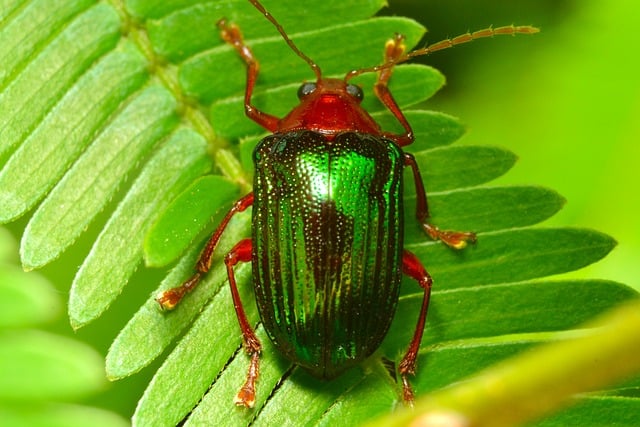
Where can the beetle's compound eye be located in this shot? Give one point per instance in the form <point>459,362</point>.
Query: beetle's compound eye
<point>306,89</point>
<point>355,91</point>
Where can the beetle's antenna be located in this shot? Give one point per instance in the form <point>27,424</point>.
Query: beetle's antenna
<point>283,33</point>
<point>510,30</point>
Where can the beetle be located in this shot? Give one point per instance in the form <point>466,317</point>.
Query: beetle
<point>327,221</point>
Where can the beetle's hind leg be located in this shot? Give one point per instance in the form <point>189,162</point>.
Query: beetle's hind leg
<point>412,267</point>
<point>454,239</point>
<point>241,252</point>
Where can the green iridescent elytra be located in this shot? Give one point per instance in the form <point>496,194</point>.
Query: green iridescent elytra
<point>327,245</point>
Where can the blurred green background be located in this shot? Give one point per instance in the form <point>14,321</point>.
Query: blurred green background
<point>562,100</point>
<point>566,101</point>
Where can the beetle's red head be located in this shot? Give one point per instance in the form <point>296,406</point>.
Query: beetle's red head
<point>329,106</point>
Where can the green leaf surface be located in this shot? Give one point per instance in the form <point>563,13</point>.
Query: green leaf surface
<point>118,250</point>
<point>160,8</point>
<point>25,101</point>
<point>186,217</point>
<point>25,34</point>
<point>8,7</point>
<point>62,135</point>
<point>484,209</point>
<point>166,28</point>
<point>514,255</point>
<point>448,168</point>
<point>93,180</point>
<point>431,128</point>
<point>235,373</point>
<point>308,407</point>
<point>468,313</point>
<point>373,389</point>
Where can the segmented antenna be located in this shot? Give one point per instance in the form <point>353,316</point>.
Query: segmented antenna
<point>509,30</point>
<point>313,65</point>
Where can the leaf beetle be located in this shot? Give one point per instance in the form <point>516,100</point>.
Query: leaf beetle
<point>327,221</point>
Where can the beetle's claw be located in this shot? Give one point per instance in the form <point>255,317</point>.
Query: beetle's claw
<point>454,239</point>
<point>246,398</point>
<point>170,298</point>
<point>230,33</point>
<point>394,48</point>
<point>247,395</point>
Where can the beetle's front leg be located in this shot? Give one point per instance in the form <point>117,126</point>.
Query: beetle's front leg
<point>171,297</point>
<point>231,34</point>
<point>392,51</point>
<point>241,252</point>
<point>454,239</point>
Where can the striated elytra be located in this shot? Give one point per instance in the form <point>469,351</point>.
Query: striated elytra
<point>327,221</point>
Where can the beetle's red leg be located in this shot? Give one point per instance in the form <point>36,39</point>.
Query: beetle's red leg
<point>241,252</point>
<point>455,239</point>
<point>412,267</point>
<point>232,35</point>
<point>170,298</point>
<point>393,50</point>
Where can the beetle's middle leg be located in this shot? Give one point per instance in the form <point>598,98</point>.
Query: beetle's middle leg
<point>171,297</point>
<point>394,49</point>
<point>241,252</point>
<point>455,239</point>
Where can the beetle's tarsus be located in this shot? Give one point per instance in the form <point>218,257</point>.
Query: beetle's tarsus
<point>453,239</point>
<point>247,395</point>
<point>407,392</point>
<point>229,32</point>
<point>170,298</point>
<point>394,48</point>
<point>407,367</point>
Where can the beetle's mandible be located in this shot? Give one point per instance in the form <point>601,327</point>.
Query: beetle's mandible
<point>327,221</point>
